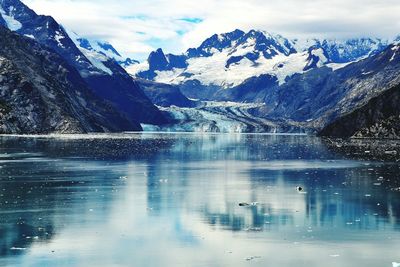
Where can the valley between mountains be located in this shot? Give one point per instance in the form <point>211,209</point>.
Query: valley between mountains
<point>54,81</point>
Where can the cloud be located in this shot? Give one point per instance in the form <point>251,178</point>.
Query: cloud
<point>137,27</point>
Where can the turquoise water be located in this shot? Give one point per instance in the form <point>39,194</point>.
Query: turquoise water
<point>173,200</point>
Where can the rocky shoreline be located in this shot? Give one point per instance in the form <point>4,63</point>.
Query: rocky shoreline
<point>366,148</point>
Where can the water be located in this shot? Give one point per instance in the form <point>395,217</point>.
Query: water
<point>173,200</point>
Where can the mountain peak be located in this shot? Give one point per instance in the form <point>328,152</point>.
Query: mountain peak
<point>228,59</point>
<point>157,60</point>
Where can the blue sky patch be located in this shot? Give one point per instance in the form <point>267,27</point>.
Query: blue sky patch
<point>192,20</point>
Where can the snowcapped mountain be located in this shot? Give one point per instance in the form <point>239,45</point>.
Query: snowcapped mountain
<point>344,51</point>
<point>228,60</point>
<point>95,61</point>
<point>103,50</point>
<point>322,95</point>
<point>306,102</point>
<point>42,93</point>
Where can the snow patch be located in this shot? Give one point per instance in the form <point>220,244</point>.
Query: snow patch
<point>29,36</point>
<point>136,68</point>
<point>96,59</point>
<point>396,49</point>
<point>337,66</point>
<point>320,54</point>
<point>12,23</point>
<point>58,37</point>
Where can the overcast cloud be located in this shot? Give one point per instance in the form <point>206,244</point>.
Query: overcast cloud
<point>136,27</point>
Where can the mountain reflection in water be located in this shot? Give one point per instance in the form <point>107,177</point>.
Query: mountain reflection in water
<point>173,200</point>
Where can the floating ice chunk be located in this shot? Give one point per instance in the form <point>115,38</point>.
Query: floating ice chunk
<point>17,248</point>
<point>252,258</point>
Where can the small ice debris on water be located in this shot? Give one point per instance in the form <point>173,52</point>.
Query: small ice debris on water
<point>334,255</point>
<point>252,258</point>
<point>395,264</point>
<point>123,177</point>
<point>16,248</point>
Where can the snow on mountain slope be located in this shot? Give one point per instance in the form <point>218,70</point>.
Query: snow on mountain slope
<point>227,60</point>
<point>96,57</point>
<point>104,76</point>
<point>343,51</point>
<point>212,70</point>
<point>8,17</point>
<point>99,52</point>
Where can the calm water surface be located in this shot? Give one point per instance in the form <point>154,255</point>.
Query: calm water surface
<point>173,200</point>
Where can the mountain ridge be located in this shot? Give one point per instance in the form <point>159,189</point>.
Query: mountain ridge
<point>41,93</point>
<point>106,78</point>
<point>236,56</point>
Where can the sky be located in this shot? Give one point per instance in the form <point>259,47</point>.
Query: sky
<point>137,27</point>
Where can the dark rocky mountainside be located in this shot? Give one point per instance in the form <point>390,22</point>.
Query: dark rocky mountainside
<point>322,95</point>
<point>105,77</point>
<point>165,95</point>
<point>41,93</point>
<point>379,118</point>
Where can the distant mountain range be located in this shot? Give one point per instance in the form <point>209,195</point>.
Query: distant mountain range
<point>253,81</point>
<point>307,83</point>
<point>228,60</point>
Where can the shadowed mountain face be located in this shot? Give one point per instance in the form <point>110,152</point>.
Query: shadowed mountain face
<point>41,93</point>
<point>379,118</point>
<point>165,95</point>
<point>104,75</point>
